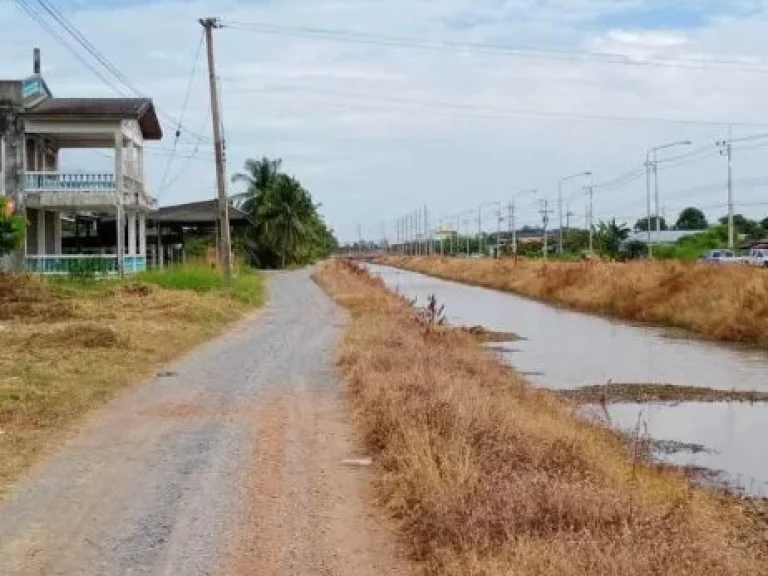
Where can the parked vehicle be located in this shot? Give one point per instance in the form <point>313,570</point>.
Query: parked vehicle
<point>758,257</point>
<point>721,256</point>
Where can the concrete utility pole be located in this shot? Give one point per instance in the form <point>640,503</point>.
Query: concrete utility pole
<point>225,256</point>
<point>560,202</point>
<point>545,212</point>
<point>480,230</point>
<point>591,220</point>
<point>511,226</point>
<point>499,219</point>
<point>726,149</point>
<point>427,238</point>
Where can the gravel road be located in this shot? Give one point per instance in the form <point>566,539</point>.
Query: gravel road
<point>229,463</point>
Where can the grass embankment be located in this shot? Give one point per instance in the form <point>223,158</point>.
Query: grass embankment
<point>720,303</point>
<point>487,476</point>
<point>67,347</point>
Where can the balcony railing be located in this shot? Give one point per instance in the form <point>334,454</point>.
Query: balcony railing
<point>69,182</point>
<point>84,264</point>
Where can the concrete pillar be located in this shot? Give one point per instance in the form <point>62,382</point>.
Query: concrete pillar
<point>132,234</point>
<point>57,233</point>
<point>41,232</point>
<point>120,228</point>
<point>142,234</point>
<point>141,164</point>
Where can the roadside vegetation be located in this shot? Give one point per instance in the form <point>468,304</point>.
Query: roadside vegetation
<point>485,475</point>
<point>68,346</point>
<point>728,304</point>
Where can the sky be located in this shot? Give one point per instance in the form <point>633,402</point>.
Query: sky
<point>382,107</point>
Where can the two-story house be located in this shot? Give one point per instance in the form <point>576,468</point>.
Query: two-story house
<point>34,127</point>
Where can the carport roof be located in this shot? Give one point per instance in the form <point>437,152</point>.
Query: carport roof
<point>196,212</point>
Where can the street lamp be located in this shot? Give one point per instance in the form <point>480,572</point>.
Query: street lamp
<point>560,201</point>
<point>648,163</point>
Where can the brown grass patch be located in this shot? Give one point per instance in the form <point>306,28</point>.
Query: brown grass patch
<point>721,303</point>
<point>97,339</point>
<point>487,476</point>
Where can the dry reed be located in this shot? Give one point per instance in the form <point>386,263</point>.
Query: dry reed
<point>487,476</point>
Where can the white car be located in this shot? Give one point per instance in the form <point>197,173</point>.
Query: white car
<point>758,257</point>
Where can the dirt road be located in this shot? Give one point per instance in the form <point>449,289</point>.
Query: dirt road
<point>230,463</point>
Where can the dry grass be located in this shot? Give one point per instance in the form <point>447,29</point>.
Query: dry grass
<point>729,304</point>
<point>67,348</point>
<point>487,476</point>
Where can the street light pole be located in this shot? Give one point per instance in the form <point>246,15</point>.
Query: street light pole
<point>655,165</point>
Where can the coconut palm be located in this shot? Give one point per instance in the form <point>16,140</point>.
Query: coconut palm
<point>610,235</point>
<point>258,176</point>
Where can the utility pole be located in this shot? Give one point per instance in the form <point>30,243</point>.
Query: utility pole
<point>427,238</point>
<point>655,165</point>
<point>726,149</point>
<point>560,202</point>
<point>480,230</point>
<point>545,212</point>
<point>591,220</point>
<point>225,244</point>
<point>498,230</point>
<point>511,226</point>
<point>648,203</point>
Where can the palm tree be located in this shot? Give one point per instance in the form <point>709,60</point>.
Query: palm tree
<point>284,214</point>
<point>610,235</point>
<point>258,176</point>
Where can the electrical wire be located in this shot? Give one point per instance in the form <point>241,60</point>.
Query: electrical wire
<point>496,112</point>
<point>187,95</point>
<point>539,53</point>
<point>83,42</point>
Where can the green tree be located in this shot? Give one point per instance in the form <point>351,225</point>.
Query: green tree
<point>642,224</point>
<point>285,226</point>
<point>692,219</point>
<point>11,228</point>
<point>743,225</point>
<point>609,237</point>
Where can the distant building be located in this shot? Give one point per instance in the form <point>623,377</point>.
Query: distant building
<point>663,237</point>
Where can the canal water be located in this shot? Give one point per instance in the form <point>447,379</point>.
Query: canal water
<point>562,349</point>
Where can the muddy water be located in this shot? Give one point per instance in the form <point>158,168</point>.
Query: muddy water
<point>564,349</point>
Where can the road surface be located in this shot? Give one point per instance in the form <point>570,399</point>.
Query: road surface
<point>229,463</point>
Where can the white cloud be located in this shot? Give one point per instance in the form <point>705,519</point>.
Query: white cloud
<point>371,129</point>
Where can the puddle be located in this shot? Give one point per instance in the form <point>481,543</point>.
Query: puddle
<point>561,349</point>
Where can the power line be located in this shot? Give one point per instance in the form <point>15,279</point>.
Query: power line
<point>181,118</point>
<point>40,20</point>
<point>538,53</point>
<point>494,111</point>
<point>83,42</point>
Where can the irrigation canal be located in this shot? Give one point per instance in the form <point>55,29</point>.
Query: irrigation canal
<point>562,349</point>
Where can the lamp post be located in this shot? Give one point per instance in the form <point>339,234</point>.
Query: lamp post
<point>653,152</point>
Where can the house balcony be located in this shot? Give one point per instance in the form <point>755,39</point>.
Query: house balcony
<point>91,191</point>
